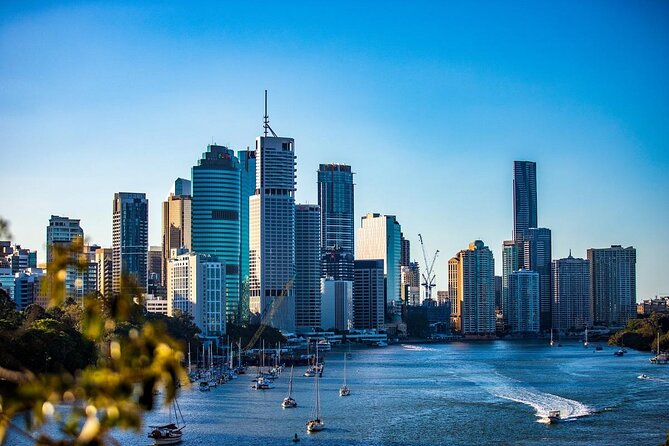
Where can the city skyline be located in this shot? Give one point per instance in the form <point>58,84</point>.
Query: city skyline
<point>595,157</point>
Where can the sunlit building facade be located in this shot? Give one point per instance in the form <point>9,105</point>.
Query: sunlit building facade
<point>612,284</point>
<point>571,294</point>
<point>130,240</point>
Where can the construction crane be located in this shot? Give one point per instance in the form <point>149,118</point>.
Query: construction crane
<point>428,277</point>
<point>269,314</point>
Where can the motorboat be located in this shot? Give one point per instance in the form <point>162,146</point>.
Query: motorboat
<point>619,352</point>
<point>643,376</point>
<point>262,384</point>
<point>204,386</point>
<point>553,416</point>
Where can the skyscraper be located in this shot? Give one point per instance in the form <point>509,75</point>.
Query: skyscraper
<point>176,222</point>
<point>62,231</point>
<point>336,304</point>
<point>272,233</point>
<point>511,261</point>
<point>308,267</point>
<point>571,294</point>
<point>335,197</point>
<point>405,252</point>
<point>612,284</point>
<point>524,197</point>
<point>247,165</point>
<point>105,268</point>
<point>537,257</point>
<point>196,285</point>
<point>215,218</point>
<point>368,294</point>
<point>476,289</point>
<point>379,238</point>
<point>453,298</point>
<point>130,239</point>
<point>524,301</point>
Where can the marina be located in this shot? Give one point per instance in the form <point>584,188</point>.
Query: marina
<point>442,394</point>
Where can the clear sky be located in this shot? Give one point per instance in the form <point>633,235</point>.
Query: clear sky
<point>430,102</point>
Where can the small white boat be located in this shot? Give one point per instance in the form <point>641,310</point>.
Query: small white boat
<point>289,402</point>
<point>262,384</point>
<point>553,416</point>
<point>643,376</point>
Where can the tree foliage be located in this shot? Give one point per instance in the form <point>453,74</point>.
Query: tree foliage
<point>86,367</point>
<point>641,334</point>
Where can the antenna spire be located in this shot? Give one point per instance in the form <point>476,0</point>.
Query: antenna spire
<point>266,120</point>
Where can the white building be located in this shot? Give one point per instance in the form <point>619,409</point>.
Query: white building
<point>379,237</point>
<point>272,234</point>
<point>523,315</point>
<point>196,285</point>
<point>155,304</point>
<point>336,304</point>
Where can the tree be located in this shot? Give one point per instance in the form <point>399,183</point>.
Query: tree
<point>113,392</point>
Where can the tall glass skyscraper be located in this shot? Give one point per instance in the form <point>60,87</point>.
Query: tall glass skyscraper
<point>130,239</point>
<point>537,257</point>
<point>524,197</point>
<point>307,266</point>
<point>247,164</point>
<point>215,219</point>
<point>335,197</point>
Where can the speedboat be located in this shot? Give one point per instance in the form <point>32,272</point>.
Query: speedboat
<point>553,416</point>
<point>618,352</point>
<point>643,376</point>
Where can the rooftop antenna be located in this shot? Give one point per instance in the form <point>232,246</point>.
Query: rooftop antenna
<point>266,120</point>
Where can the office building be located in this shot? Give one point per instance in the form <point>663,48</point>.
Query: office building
<point>524,301</point>
<point>308,267</point>
<point>196,285</point>
<point>524,197</point>
<point>410,284</point>
<point>476,289</point>
<point>336,304</point>
<point>442,298</point>
<point>379,237</point>
<point>571,294</point>
<point>215,218</point>
<point>368,294</point>
<point>272,234</point>
<point>405,250</point>
<point>177,211</point>
<point>60,234</point>
<point>612,285</point>
<point>537,257</point>
<point>336,200</point>
<point>156,304</point>
<point>130,240</point>
<point>247,165</point>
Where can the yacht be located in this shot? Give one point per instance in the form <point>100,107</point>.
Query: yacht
<point>169,433</point>
<point>262,384</point>
<point>289,402</point>
<point>344,389</point>
<point>660,357</point>
<point>585,343</point>
<point>315,424</point>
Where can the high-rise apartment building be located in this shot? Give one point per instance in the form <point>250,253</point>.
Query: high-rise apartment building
<point>62,231</point>
<point>537,257</point>
<point>196,285</point>
<point>379,237</point>
<point>612,284</point>
<point>247,165</point>
<point>307,266</point>
<point>215,217</point>
<point>368,294</point>
<point>571,294</point>
<point>176,222</point>
<point>524,301</point>
<point>336,199</point>
<point>453,298</point>
<point>130,240</point>
<point>524,197</point>
<point>272,233</point>
<point>105,268</point>
<point>476,289</point>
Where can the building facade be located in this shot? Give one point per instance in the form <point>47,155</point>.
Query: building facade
<point>62,232</point>
<point>368,294</point>
<point>336,304</point>
<point>476,290</point>
<point>537,257</point>
<point>272,234</point>
<point>196,285</point>
<point>130,240</point>
<point>612,284</point>
<point>571,294</point>
<point>176,222</point>
<point>247,166</point>
<point>307,266</point>
<point>336,201</point>
<point>524,301</point>
<point>379,237</point>
<point>524,197</point>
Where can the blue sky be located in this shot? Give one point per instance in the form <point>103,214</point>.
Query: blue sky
<point>429,102</point>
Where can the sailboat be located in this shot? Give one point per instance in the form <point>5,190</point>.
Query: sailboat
<point>344,389</point>
<point>585,343</point>
<point>289,402</point>
<point>170,433</point>
<point>660,357</point>
<point>316,424</point>
<point>551,337</point>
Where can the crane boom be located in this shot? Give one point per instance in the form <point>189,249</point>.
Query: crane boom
<point>428,277</point>
<point>274,306</point>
